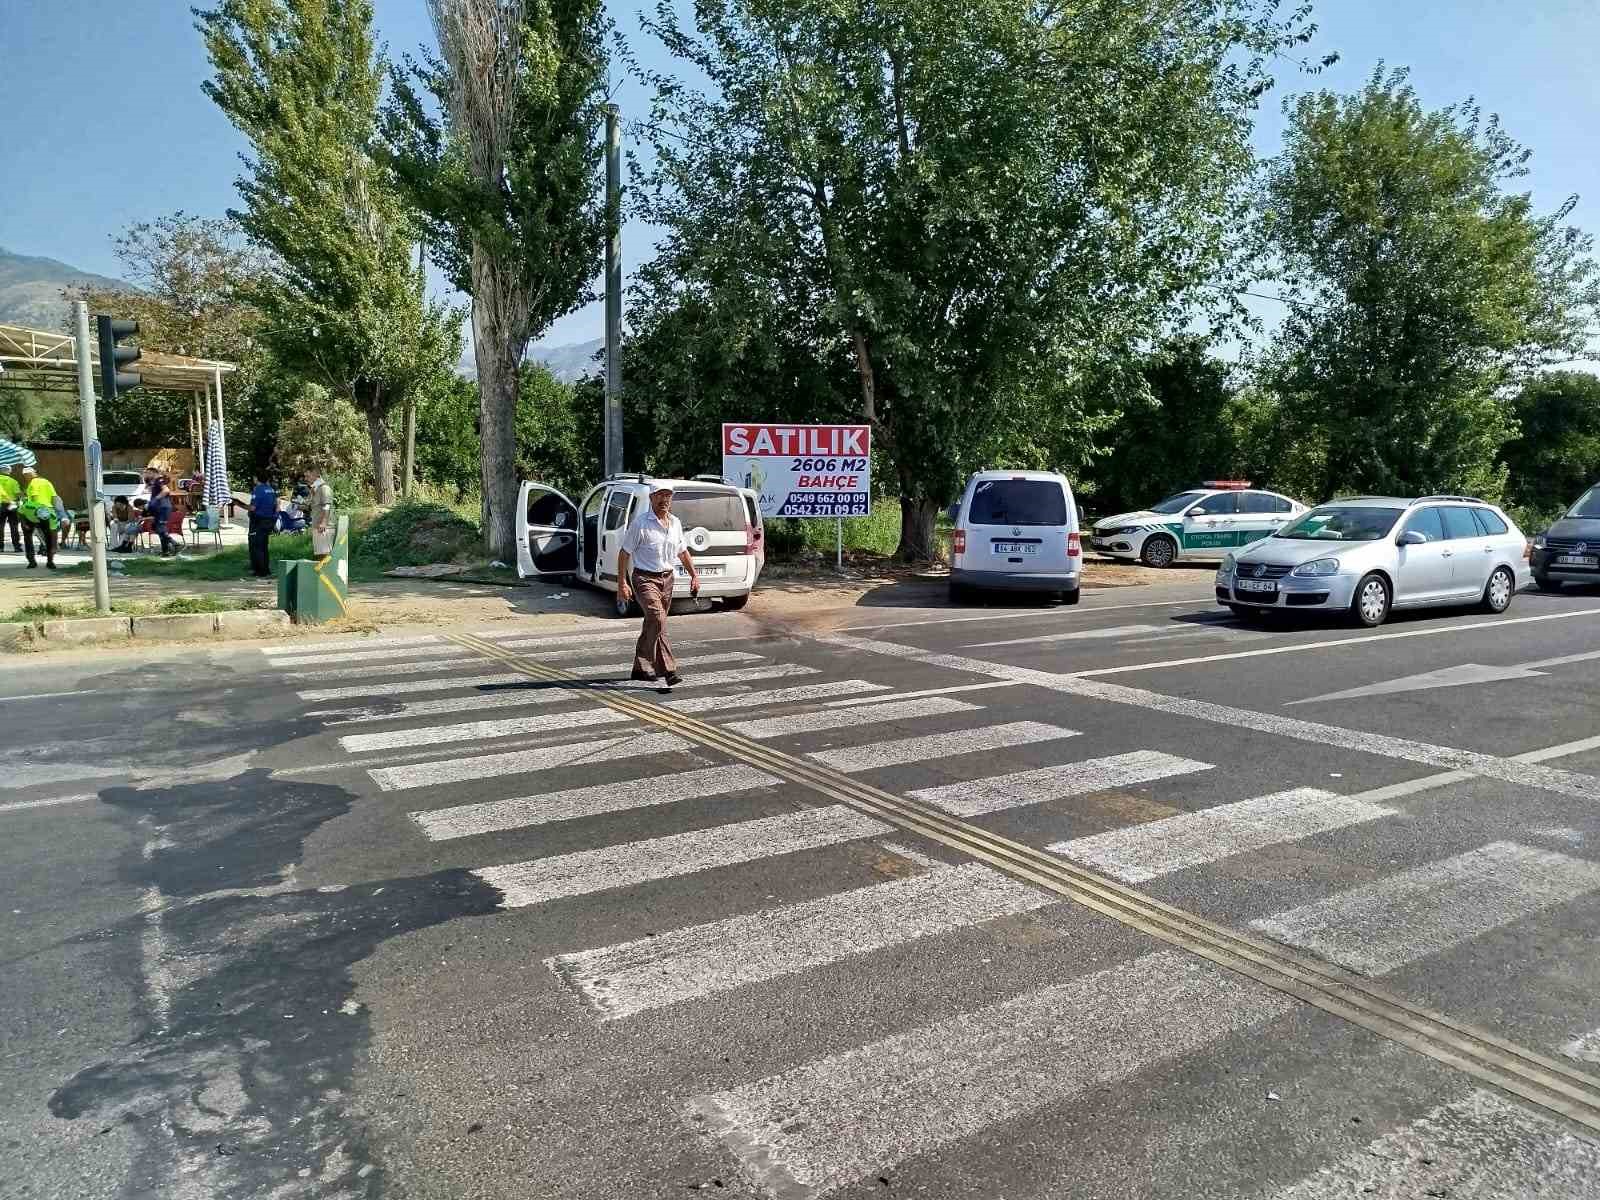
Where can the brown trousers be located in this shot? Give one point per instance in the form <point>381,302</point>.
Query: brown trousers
<point>653,654</point>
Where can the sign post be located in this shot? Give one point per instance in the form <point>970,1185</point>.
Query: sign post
<point>802,470</point>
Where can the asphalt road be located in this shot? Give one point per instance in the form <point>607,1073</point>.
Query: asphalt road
<point>1125,900</point>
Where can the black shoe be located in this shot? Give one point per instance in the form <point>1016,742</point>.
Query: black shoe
<point>642,677</point>
<point>33,566</point>
<point>52,566</point>
<point>673,679</point>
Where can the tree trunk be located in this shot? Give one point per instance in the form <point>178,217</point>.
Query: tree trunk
<point>370,402</point>
<point>916,528</point>
<point>499,338</point>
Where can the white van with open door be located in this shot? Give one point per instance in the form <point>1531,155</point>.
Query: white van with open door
<point>722,524</point>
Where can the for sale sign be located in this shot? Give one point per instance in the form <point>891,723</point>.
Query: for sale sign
<point>802,470</point>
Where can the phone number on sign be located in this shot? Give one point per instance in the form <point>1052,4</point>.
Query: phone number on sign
<point>857,507</point>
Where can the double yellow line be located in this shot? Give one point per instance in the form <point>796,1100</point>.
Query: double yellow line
<point>1541,1080</point>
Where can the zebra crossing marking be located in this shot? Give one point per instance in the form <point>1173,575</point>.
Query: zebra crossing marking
<point>799,693</point>
<point>383,669</point>
<point>586,871</point>
<point>287,652</point>
<point>1444,904</point>
<point>383,654</point>
<point>852,759</point>
<point>972,798</point>
<point>1140,852</point>
<point>846,718</point>
<point>496,816</point>
<point>702,960</point>
<point>474,731</point>
<point>487,766</point>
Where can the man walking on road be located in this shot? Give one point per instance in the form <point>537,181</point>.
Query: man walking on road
<point>653,543</point>
<point>38,511</point>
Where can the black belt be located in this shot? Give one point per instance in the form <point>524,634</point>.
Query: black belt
<point>657,574</point>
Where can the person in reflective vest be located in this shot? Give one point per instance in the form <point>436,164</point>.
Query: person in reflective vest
<point>10,494</point>
<point>37,509</point>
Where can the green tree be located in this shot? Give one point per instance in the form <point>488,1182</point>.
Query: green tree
<point>1556,453</point>
<point>343,304</point>
<point>977,215</point>
<point>1421,287</point>
<point>506,175</point>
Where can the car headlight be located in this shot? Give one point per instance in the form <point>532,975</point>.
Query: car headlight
<point>1317,568</point>
<point>1538,542</point>
<point>1227,564</point>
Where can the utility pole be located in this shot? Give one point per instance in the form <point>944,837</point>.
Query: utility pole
<point>613,422</point>
<point>91,461</point>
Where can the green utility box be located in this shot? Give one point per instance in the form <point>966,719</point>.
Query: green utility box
<point>314,590</point>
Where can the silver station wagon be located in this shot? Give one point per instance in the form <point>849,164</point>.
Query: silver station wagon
<point>1371,554</point>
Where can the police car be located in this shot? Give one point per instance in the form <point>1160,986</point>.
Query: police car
<point>1202,523</point>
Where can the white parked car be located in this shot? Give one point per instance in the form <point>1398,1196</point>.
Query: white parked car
<point>1202,523</point>
<point>722,524</point>
<point>126,485</point>
<point>1016,531</point>
<point>1371,554</point>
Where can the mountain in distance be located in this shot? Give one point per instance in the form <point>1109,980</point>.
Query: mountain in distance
<point>31,287</point>
<point>568,362</point>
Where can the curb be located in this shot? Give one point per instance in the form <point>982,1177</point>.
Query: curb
<point>177,627</point>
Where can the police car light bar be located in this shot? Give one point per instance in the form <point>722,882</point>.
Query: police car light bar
<point>1227,485</point>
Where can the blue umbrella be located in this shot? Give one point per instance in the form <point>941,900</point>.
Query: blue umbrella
<point>12,454</point>
<point>216,467</point>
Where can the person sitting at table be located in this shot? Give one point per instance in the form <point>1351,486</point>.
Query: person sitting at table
<point>124,525</point>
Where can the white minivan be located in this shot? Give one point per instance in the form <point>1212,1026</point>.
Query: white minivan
<point>722,524</point>
<point>1016,531</point>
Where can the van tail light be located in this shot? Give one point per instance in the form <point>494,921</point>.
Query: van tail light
<point>1074,545</point>
<point>958,541</point>
<point>749,540</point>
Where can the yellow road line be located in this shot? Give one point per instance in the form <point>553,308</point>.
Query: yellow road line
<point>1539,1079</point>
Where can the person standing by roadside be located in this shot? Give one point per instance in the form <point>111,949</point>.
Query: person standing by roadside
<point>652,545</point>
<point>10,496</point>
<point>159,510</point>
<point>319,515</point>
<point>37,508</point>
<point>263,518</point>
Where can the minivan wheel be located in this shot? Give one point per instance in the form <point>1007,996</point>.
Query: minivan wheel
<point>1071,595</point>
<point>1158,551</point>
<point>1498,591</point>
<point>960,593</point>
<point>1371,604</point>
<point>1545,584</point>
<point>735,603</point>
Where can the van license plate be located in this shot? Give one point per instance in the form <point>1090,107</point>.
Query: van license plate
<point>708,571</point>
<point>1255,585</point>
<point>1578,560</point>
<point>1023,548</point>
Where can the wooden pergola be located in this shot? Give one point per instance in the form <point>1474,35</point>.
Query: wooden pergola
<point>42,361</point>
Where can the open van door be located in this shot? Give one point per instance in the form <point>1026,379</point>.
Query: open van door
<point>547,532</point>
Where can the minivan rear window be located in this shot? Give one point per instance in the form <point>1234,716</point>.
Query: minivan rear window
<point>1018,502</point>
<point>720,511</point>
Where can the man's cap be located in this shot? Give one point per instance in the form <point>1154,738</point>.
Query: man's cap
<point>660,485</point>
<point>29,471</point>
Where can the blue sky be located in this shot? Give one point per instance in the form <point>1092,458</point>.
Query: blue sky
<point>65,190</point>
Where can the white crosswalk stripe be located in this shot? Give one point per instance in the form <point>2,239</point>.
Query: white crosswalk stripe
<point>299,649</point>
<point>1478,1146</point>
<point>487,766</point>
<point>495,816</point>
<point>818,1126</point>
<point>846,718</point>
<point>521,640</point>
<point>940,745</point>
<point>378,655</point>
<point>587,871</point>
<point>469,731</point>
<point>799,694</point>
<point>386,687</point>
<point>1140,852</point>
<point>1378,927</point>
<point>702,960</point>
<point>608,661</point>
<point>1000,792</point>
<point>382,669</point>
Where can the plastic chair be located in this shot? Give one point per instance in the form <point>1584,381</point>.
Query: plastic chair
<point>174,528</point>
<point>206,522</point>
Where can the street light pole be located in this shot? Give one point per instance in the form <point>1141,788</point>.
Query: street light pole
<point>91,462</point>
<point>613,413</point>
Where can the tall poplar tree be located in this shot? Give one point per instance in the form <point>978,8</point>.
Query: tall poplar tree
<point>343,302</point>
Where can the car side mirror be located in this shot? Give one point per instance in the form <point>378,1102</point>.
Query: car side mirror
<point>1196,511</point>
<point>1412,537</point>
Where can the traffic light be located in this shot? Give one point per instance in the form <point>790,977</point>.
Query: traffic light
<point>113,379</point>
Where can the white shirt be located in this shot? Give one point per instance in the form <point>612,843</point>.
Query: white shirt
<point>652,546</point>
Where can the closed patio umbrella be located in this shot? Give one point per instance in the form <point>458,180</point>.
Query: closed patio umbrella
<point>217,492</point>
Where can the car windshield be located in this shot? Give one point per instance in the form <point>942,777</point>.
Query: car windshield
<point>1587,507</point>
<point>1018,502</point>
<point>1338,523</point>
<point>721,511</point>
<point>1176,503</point>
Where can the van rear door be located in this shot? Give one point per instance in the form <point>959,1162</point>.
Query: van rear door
<point>1018,526</point>
<point>715,524</point>
<point>547,532</point>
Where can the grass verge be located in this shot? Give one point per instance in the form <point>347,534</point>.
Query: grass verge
<point>173,606</point>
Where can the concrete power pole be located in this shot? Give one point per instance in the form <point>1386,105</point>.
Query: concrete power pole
<point>613,421</point>
<point>91,461</point>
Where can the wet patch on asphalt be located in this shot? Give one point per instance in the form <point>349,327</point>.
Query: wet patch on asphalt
<point>240,1083</point>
